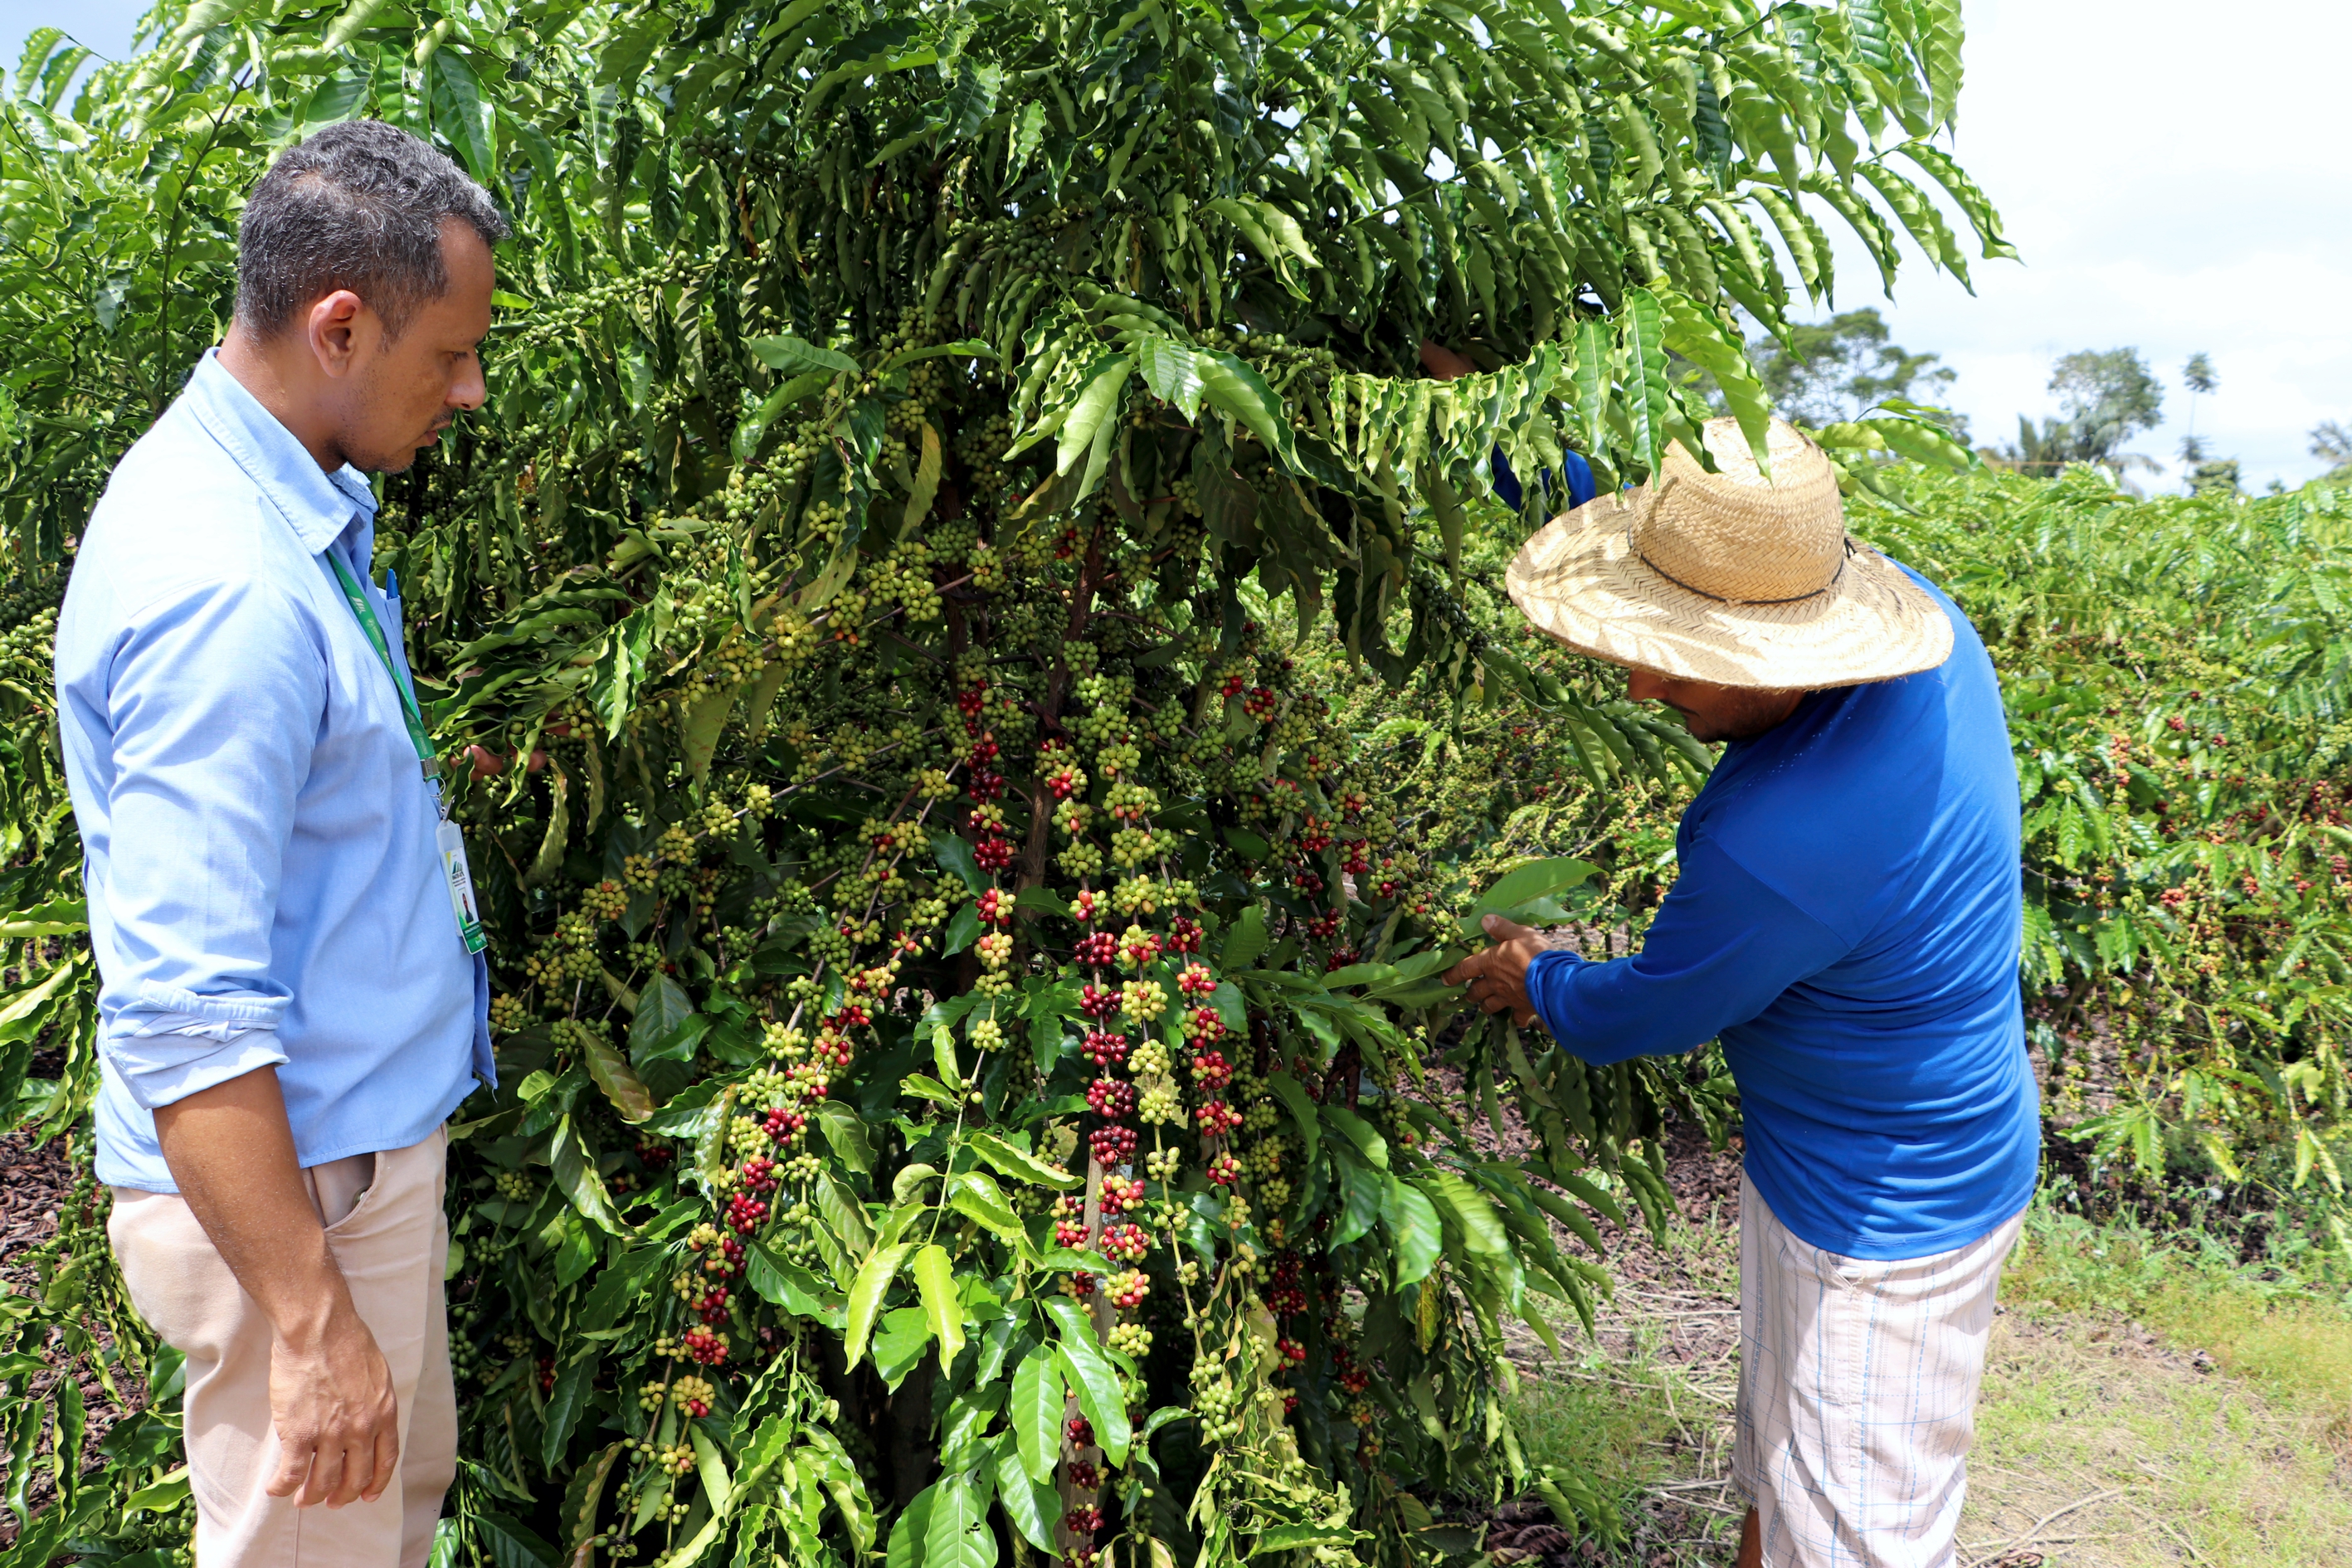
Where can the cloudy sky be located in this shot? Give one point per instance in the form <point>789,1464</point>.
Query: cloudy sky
<point>2175,181</point>
<point>2171,172</point>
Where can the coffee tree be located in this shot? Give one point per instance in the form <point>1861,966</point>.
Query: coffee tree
<point>967,992</point>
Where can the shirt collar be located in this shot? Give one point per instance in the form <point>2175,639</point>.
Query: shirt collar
<point>318,505</point>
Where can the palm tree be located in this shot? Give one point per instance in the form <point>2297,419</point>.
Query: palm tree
<point>2197,373</point>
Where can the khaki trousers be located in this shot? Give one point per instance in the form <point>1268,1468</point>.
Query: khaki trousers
<point>384,1224</point>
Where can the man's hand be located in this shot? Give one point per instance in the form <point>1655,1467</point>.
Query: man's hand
<point>231,1151</point>
<point>1498,977</point>
<point>1441,363</point>
<point>338,1422</point>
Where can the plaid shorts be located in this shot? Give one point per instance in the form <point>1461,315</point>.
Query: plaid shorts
<point>1857,1394</point>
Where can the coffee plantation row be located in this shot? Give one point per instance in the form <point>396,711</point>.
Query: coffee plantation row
<point>971,663</point>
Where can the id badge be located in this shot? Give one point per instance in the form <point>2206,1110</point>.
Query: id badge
<point>460,880</point>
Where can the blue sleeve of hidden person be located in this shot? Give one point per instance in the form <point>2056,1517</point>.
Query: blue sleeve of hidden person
<point>1573,467</point>
<point>1723,949</point>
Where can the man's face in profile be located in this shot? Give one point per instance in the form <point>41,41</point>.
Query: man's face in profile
<point>406,390</point>
<point>1712,712</point>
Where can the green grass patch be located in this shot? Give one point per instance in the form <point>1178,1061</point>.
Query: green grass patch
<point>2261,1323</point>
<point>2102,1440</point>
<point>1606,1419</point>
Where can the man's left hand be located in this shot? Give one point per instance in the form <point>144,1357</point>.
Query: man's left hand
<point>1498,977</point>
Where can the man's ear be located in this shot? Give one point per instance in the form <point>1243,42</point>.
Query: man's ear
<point>340,329</point>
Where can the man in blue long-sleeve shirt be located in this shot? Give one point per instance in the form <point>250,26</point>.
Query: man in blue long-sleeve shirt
<point>293,998</point>
<point>1845,920</point>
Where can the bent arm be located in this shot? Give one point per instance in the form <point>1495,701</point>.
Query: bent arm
<point>1722,947</point>
<point>213,699</point>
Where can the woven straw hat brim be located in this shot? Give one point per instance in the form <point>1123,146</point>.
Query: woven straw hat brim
<point>1581,580</point>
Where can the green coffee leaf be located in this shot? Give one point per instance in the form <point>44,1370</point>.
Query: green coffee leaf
<point>574,1168</point>
<point>792,1288</point>
<point>1649,401</point>
<point>665,1026</point>
<point>1416,1237</point>
<point>1303,1110</point>
<point>1092,1373</point>
<point>1035,1507</point>
<point>846,1134</point>
<point>1524,885</point>
<point>935,1277</point>
<point>565,1404</point>
<point>1245,942</point>
<point>974,1194</point>
<point>1016,1163</point>
<point>1361,1133</point>
<point>957,1535</point>
<point>618,1079</point>
<point>789,356</point>
<point>954,854</point>
<point>1038,1400</point>
<point>1470,1209</point>
<point>1092,414</point>
<point>507,1543</point>
<point>874,1277</point>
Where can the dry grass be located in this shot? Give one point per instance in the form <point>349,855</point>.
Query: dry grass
<point>2107,1448</point>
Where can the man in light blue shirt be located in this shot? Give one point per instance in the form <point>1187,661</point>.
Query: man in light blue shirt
<point>289,1007</point>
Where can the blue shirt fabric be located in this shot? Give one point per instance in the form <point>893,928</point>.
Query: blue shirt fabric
<point>1846,919</point>
<point>1573,469</point>
<point>264,884</point>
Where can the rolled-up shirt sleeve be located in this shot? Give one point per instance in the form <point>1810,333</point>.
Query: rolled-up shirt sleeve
<point>213,699</point>
<point>1724,946</point>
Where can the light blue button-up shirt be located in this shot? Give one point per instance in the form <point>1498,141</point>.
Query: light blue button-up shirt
<point>258,844</point>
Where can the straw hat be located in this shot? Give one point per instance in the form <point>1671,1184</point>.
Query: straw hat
<point>1730,577</point>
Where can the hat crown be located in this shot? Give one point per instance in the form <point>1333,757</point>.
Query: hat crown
<point>1737,535</point>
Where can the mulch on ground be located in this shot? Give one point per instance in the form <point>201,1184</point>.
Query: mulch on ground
<point>34,1181</point>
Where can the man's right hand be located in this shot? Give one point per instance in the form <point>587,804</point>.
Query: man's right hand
<point>338,1421</point>
<point>231,1151</point>
<point>1498,977</point>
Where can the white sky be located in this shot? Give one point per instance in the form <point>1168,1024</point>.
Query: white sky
<point>2175,179</point>
<point>2171,173</point>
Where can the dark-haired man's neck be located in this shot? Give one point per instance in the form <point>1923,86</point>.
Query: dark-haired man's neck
<point>283,376</point>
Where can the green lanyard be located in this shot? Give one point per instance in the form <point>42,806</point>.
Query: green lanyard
<point>447,839</point>
<point>357,599</point>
